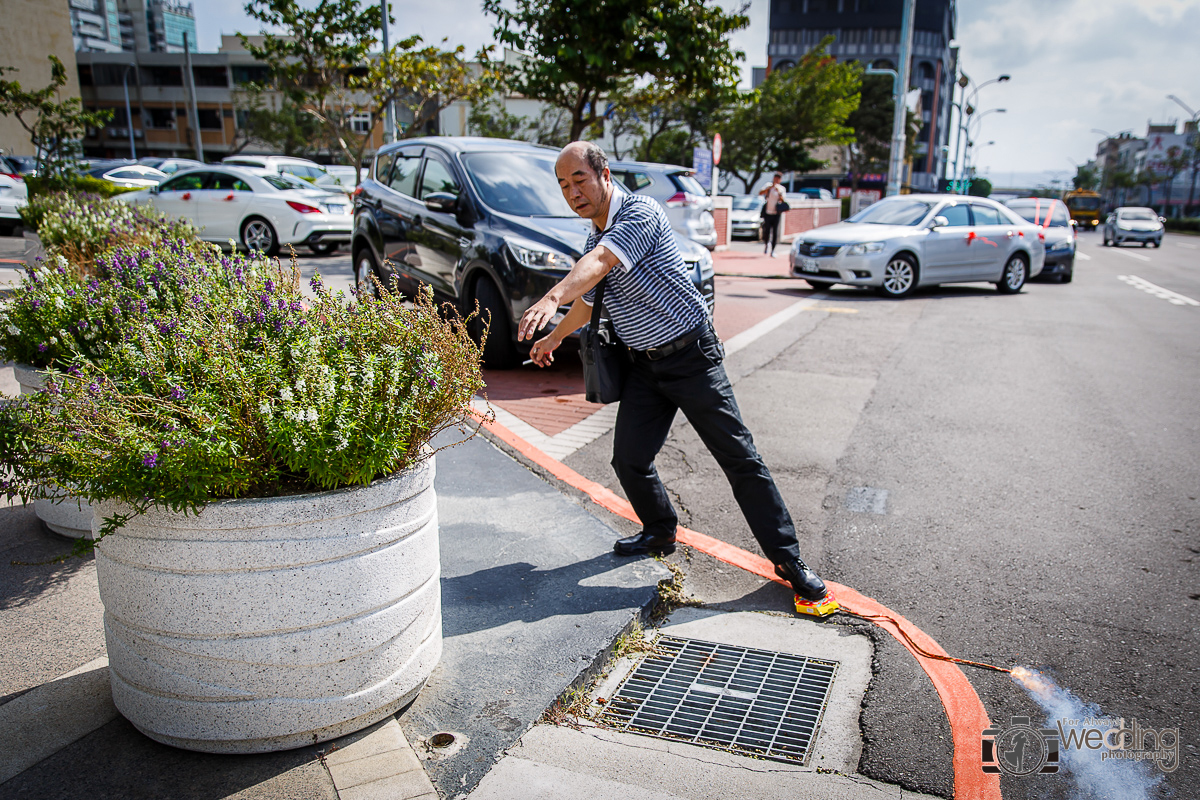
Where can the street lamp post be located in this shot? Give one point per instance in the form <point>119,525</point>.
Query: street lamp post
<point>128,117</point>
<point>899,111</point>
<point>967,108</point>
<point>966,158</point>
<point>389,111</point>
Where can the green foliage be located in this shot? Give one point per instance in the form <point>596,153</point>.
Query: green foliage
<point>491,119</point>
<point>872,125</point>
<point>578,54</point>
<point>54,127</point>
<point>81,227</point>
<point>980,187</point>
<point>287,130</point>
<point>74,182</point>
<point>239,390</point>
<point>1181,224</point>
<point>322,61</point>
<point>776,126</point>
<point>1086,178</point>
<point>67,305</point>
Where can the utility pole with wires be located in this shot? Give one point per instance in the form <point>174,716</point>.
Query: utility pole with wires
<point>389,111</point>
<point>900,112</point>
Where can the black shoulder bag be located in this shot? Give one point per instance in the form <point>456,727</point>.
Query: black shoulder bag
<point>605,358</point>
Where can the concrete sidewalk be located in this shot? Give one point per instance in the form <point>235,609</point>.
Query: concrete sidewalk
<point>532,599</point>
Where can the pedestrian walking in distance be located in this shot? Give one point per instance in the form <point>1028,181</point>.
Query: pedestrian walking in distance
<point>774,193</point>
<point>659,314</point>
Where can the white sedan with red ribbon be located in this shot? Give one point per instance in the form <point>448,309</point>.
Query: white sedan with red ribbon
<point>913,240</point>
<point>261,210</point>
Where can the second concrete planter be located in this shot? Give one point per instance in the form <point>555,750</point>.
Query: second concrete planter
<point>67,516</point>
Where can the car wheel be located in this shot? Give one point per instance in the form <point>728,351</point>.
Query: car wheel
<point>899,277</point>
<point>257,234</point>
<point>822,286</point>
<point>364,269</point>
<point>1067,276</point>
<point>1013,278</point>
<point>1158,244</point>
<point>1146,244</point>
<point>323,249</point>
<point>499,351</point>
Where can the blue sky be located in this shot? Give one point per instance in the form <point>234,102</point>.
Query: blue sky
<point>1075,65</point>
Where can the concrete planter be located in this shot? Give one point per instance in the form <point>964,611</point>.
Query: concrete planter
<point>266,624</point>
<point>70,516</point>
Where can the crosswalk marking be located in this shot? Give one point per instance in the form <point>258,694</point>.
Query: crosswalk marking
<point>1174,298</point>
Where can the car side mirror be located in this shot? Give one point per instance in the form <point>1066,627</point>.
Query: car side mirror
<point>1073,223</point>
<point>154,190</point>
<point>1162,219</point>
<point>940,222</point>
<point>441,201</point>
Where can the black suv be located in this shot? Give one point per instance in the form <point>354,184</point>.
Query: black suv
<point>477,220</point>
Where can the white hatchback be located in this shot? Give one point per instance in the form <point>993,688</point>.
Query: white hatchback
<point>260,209</point>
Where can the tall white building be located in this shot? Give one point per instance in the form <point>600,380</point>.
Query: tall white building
<point>143,26</point>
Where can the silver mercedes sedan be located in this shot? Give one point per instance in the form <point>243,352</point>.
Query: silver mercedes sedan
<point>914,240</point>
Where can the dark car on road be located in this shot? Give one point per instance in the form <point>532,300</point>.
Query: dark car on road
<point>1059,231</point>
<point>477,220</point>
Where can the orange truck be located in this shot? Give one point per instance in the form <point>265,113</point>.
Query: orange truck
<point>1086,209</point>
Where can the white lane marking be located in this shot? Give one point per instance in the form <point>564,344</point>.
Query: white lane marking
<point>591,428</point>
<point>1174,298</point>
<point>1138,256</point>
<point>750,335</point>
<point>1189,246</point>
<point>1084,256</point>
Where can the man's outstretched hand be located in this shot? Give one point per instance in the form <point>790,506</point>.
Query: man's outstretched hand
<point>536,317</point>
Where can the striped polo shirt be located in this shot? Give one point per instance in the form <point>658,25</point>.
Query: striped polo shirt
<point>649,297</point>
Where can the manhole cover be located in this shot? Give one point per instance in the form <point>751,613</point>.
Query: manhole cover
<point>730,698</point>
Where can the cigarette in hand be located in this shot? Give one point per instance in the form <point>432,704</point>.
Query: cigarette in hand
<point>526,362</point>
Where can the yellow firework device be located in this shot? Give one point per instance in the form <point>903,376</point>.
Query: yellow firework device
<point>820,608</point>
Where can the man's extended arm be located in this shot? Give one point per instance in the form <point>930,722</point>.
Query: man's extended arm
<point>586,273</point>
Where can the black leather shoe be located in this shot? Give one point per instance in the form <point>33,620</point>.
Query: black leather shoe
<point>806,582</point>
<point>644,543</point>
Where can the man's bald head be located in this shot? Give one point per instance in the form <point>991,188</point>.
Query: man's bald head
<point>586,152</point>
<point>582,172</point>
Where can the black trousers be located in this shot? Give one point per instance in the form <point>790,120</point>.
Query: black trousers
<point>770,230</point>
<point>694,380</point>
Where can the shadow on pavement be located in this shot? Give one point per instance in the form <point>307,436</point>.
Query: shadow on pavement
<point>24,541</point>
<point>119,761</point>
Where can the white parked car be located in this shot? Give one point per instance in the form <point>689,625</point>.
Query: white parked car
<point>260,209</point>
<point>914,240</point>
<point>302,168</point>
<point>14,194</point>
<point>688,206</point>
<point>170,165</point>
<point>131,176</point>
<point>340,178</point>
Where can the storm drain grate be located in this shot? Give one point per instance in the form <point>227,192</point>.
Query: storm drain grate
<point>730,698</point>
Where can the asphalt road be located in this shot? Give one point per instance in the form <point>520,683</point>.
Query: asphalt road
<point>1040,455</point>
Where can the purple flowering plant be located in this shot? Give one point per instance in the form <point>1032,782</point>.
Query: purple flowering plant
<point>235,397</point>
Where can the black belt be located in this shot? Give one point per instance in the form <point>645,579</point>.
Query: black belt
<point>675,345</point>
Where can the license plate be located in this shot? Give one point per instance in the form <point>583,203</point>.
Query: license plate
<point>335,209</point>
<point>808,264</point>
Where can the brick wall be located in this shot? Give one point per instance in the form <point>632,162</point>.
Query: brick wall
<point>806,214</point>
<point>722,206</point>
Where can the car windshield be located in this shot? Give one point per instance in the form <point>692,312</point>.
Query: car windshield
<point>687,183</point>
<point>893,212</point>
<point>1139,214</point>
<point>1039,213</point>
<point>521,184</point>
<point>1083,203</point>
<point>747,203</point>
<point>285,181</point>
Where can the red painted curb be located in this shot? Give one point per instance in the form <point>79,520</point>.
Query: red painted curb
<point>964,710</point>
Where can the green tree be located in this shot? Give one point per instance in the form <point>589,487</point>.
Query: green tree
<point>776,126</point>
<point>286,129</point>
<point>54,125</point>
<point>579,54</point>
<point>872,126</point>
<point>322,60</point>
<point>490,118</point>
<point>980,187</point>
<point>1086,178</point>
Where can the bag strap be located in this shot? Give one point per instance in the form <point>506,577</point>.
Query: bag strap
<point>597,303</point>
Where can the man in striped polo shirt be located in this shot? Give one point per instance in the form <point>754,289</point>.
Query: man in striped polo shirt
<point>659,314</point>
